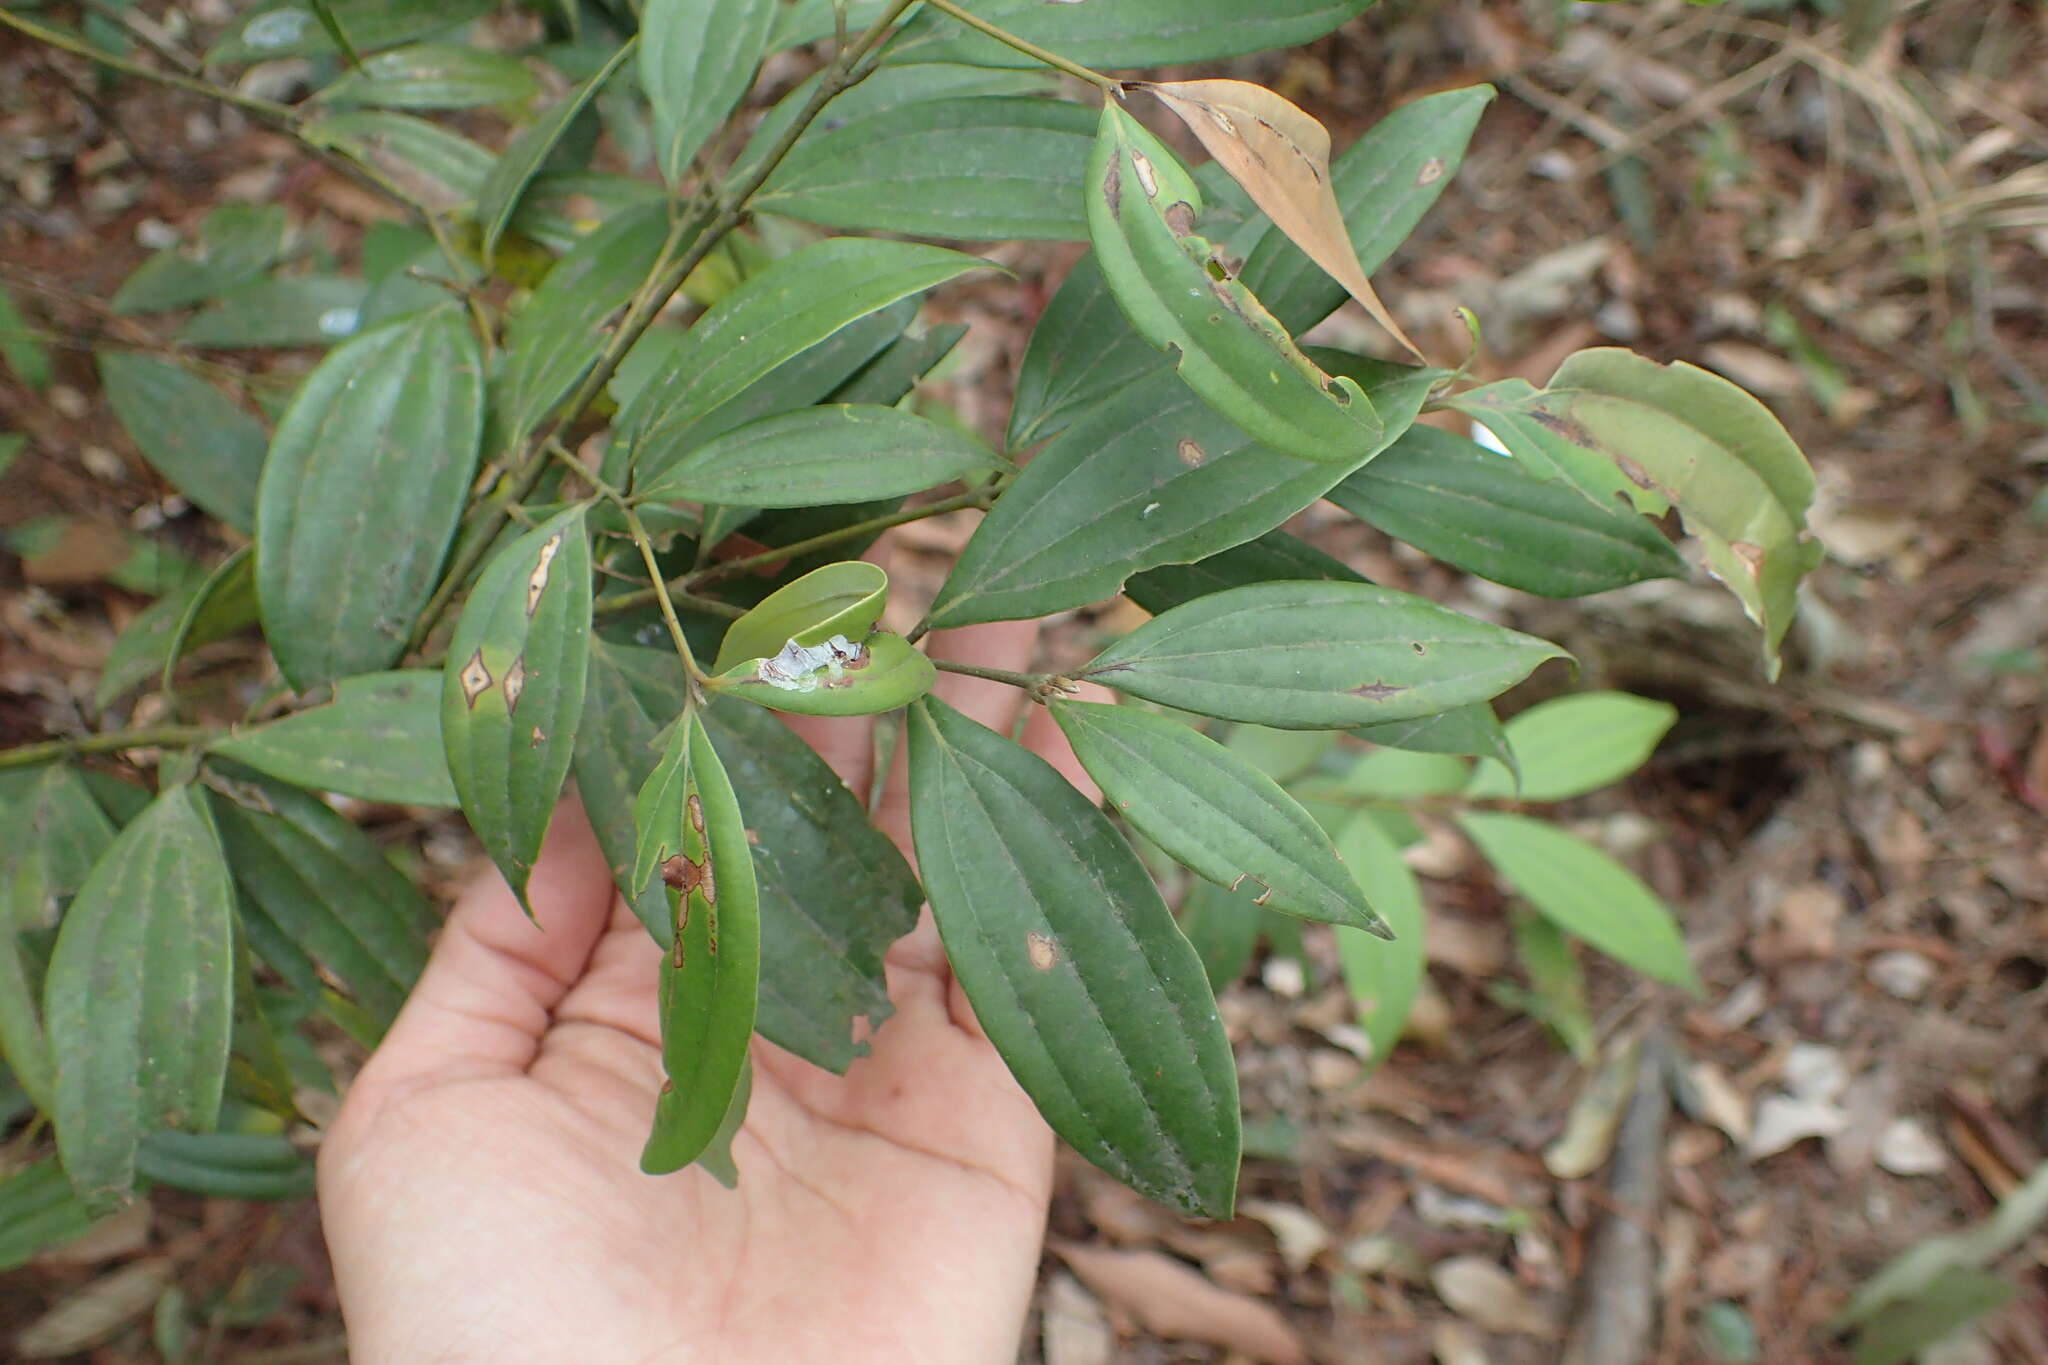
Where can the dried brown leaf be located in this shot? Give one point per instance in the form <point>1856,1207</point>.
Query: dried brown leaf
<point>1169,1300</point>
<point>1477,1289</point>
<point>1281,156</point>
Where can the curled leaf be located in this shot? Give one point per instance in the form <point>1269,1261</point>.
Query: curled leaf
<point>835,677</point>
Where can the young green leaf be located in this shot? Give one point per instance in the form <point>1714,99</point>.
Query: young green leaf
<point>499,192</point>
<point>205,445</point>
<point>840,599</point>
<point>139,997</point>
<point>1213,812</point>
<point>312,880</point>
<point>1317,656</point>
<point>378,739</point>
<point>1383,976</point>
<point>697,58</point>
<point>1273,556</point>
<point>1480,512</point>
<point>433,76</point>
<point>237,242</point>
<point>1576,744</point>
<point>512,689</point>
<point>297,310</point>
<point>364,484</point>
<point>711,973</point>
<point>1177,290</point>
<point>828,454</point>
<point>1586,892</point>
<point>1076,971</point>
<point>836,677</point>
<point>974,169</point>
<point>792,305</point>
<point>1125,34</point>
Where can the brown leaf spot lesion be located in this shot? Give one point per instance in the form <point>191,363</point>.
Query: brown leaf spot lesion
<point>475,679</point>
<point>1147,177</point>
<point>1431,172</point>
<point>1180,219</point>
<point>1378,691</point>
<point>694,808</point>
<point>515,683</point>
<point>1635,473</point>
<point>1113,187</point>
<point>1043,950</point>
<point>687,875</point>
<point>1191,453</point>
<point>537,581</point>
<point>1563,427</point>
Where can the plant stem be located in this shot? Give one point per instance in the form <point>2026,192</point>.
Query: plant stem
<point>668,606</point>
<point>1029,49</point>
<point>111,741</point>
<point>267,110</point>
<point>1030,682</point>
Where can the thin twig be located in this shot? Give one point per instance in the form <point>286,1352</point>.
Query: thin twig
<point>1029,49</point>
<point>268,110</point>
<point>111,741</point>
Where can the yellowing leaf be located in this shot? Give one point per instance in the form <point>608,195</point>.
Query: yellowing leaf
<point>1281,156</point>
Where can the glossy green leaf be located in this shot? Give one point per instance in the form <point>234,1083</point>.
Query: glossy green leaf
<point>20,350</point>
<point>979,169</point>
<point>291,28</point>
<point>1471,729</point>
<point>1317,656</point>
<point>1152,477</point>
<point>316,882</point>
<point>794,304</point>
<point>366,479</point>
<point>1383,976</point>
<point>38,1210</point>
<point>710,975</point>
<point>215,607</point>
<point>378,739</point>
<point>1586,892</point>
<point>553,340</point>
<point>1273,556</point>
<point>1223,927</point>
<point>204,444</point>
<point>227,1165</point>
<point>1177,290</point>
<point>296,310</point>
<point>697,58</point>
<point>840,599</point>
<point>433,76</point>
<point>1214,813</point>
<point>1481,512</point>
<point>1075,969</point>
<point>512,689</point>
<point>1124,33</point>
<point>832,453</point>
<point>836,677</point>
<point>139,994</point>
<point>237,242</point>
<point>445,167</point>
<point>1576,744</point>
<point>497,197</point>
<point>57,832</point>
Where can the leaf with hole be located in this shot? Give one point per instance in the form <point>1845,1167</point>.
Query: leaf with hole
<point>697,58</point>
<point>840,599</point>
<point>1577,744</point>
<point>512,689</point>
<point>832,453</point>
<point>1383,977</point>
<point>379,739</point>
<point>139,996</point>
<point>1080,979</point>
<point>366,479</point>
<point>205,445</point>
<point>1316,656</point>
<point>838,676</point>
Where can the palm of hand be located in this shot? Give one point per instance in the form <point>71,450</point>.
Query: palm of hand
<point>482,1191</point>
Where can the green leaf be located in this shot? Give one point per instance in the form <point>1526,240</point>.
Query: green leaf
<point>433,76</point>
<point>312,880</point>
<point>38,1210</point>
<point>20,351</point>
<point>1075,969</point>
<point>1149,478</point>
<point>1316,656</point>
<point>792,305</point>
<point>1576,744</point>
<point>1223,927</point>
<point>1282,755</point>
<point>379,739</point>
<point>366,479</point>
<point>1273,556</point>
<point>892,374</point>
<point>1910,1276</point>
<point>1402,775</point>
<point>1124,33</point>
<point>1383,976</point>
<point>828,454</point>
<point>292,28</point>
<point>836,677</point>
<point>710,975</point>
<point>1586,892</point>
<point>498,195</point>
<point>1957,1297</point>
<point>840,599</point>
<point>1471,729</point>
<point>205,445</point>
<point>257,1072</point>
<point>139,997</point>
<point>631,696</point>
<point>237,242</point>
<point>1478,511</point>
<point>523,640</point>
<point>1177,290</point>
<point>298,310</point>
<point>212,609</point>
<point>697,58</point>
<point>987,168</point>
<point>227,1165</point>
<point>23,1045</point>
<point>412,148</point>
<point>554,338</point>
<point>1557,986</point>
<point>1212,812</point>
<point>58,833</point>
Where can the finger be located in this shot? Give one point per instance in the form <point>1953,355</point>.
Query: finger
<point>495,976</point>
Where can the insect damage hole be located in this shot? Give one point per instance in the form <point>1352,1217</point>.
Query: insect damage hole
<point>1044,952</point>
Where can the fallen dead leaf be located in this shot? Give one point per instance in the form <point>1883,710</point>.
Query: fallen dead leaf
<point>1074,1330</point>
<point>1783,1121</point>
<point>95,1312</point>
<point>1595,1117</point>
<point>1907,1148</point>
<point>1168,1299</point>
<point>1721,1104</point>
<point>1301,1235</point>
<point>1475,1288</point>
<point>1455,1343</point>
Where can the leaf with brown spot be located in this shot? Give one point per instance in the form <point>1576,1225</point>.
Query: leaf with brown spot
<point>1281,156</point>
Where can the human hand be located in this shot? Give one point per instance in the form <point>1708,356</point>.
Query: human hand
<point>481,1187</point>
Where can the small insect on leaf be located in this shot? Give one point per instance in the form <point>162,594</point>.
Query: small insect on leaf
<point>1281,156</point>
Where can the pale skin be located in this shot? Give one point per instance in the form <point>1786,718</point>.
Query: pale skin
<point>481,1189</point>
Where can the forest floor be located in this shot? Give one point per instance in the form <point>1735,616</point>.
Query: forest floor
<point>1850,217</point>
